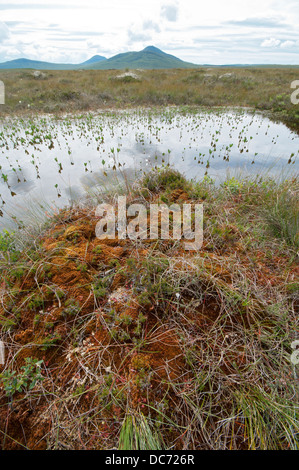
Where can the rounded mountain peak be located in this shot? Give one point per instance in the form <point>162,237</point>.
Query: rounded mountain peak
<point>152,49</point>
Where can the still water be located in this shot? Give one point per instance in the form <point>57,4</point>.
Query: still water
<point>50,162</point>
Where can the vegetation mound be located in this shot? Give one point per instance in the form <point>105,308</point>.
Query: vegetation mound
<point>141,344</point>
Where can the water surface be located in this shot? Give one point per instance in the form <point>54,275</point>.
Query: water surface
<point>50,162</point>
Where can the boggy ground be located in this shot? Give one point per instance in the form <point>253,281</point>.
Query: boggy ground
<point>57,92</point>
<point>141,344</point>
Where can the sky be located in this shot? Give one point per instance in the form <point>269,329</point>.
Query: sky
<point>203,32</point>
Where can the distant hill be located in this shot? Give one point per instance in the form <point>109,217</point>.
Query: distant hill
<point>95,58</point>
<point>40,65</point>
<point>35,64</point>
<point>149,58</point>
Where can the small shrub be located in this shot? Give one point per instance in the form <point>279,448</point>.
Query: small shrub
<point>36,302</point>
<point>26,380</point>
<point>72,307</point>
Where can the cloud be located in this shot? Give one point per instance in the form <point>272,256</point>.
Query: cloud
<point>85,33</point>
<point>170,12</point>
<point>37,6</point>
<point>272,42</point>
<point>145,31</point>
<point>4,32</point>
<point>287,44</point>
<point>258,23</point>
<point>218,33</point>
<point>137,37</point>
<point>13,23</point>
<point>149,24</point>
<point>9,53</point>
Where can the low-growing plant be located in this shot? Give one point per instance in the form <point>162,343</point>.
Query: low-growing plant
<point>8,247</point>
<point>233,185</point>
<point>7,323</point>
<point>165,178</point>
<point>50,341</point>
<point>71,308</point>
<point>97,250</point>
<point>36,302</point>
<point>26,379</point>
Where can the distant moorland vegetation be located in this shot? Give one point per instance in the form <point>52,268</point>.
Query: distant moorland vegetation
<point>71,91</point>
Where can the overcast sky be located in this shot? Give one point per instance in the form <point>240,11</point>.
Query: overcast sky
<point>209,31</point>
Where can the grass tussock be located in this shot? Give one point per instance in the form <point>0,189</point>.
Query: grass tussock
<point>142,345</point>
<point>136,434</point>
<point>282,212</point>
